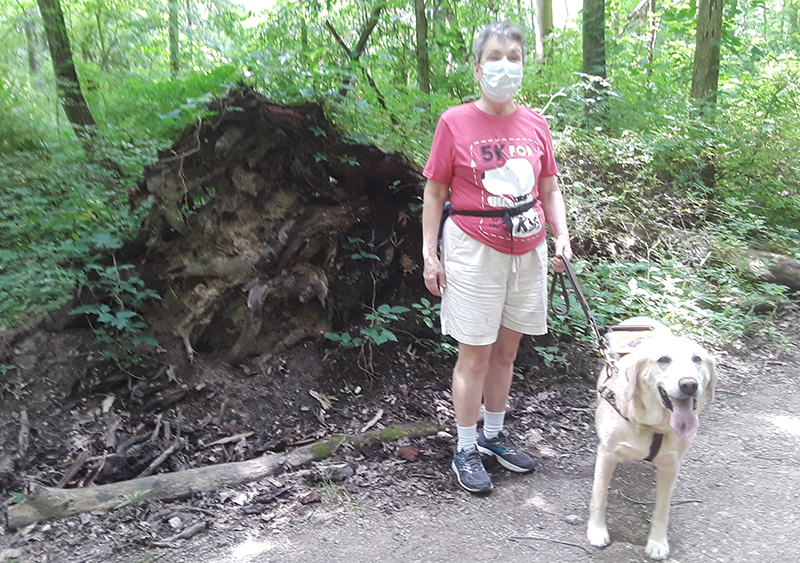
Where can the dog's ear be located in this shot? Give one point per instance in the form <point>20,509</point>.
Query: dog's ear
<point>633,373</point>
<point>710,365</point>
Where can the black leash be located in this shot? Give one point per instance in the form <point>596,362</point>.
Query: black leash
<point>558,278</point>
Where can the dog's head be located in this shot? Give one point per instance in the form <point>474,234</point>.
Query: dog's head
<point>680,373</point>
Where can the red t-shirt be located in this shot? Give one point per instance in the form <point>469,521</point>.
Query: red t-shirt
<point>494,162</point>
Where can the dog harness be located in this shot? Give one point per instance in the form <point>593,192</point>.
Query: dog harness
<point>622,340</point>
<point>618,341</point>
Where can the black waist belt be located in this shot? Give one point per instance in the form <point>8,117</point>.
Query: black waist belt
<point>506,214</point>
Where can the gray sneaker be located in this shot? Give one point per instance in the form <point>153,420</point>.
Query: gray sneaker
<point>470,473</point>
<point>506,452</point>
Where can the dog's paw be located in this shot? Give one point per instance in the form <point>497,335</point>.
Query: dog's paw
<point>598,536</point>
<point>658,550</point>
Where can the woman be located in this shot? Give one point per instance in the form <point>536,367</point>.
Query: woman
<point>493,160</point>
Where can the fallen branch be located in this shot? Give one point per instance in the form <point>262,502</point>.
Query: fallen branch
<point>186,534</point>
<point>95,473</point>
<point>24,432</point>
<point>43,502</point>
<point>229,439</point>
<point>675,502</point>
<point>773,268</point>
<point>730,392</point>
<point>73,470</point>
<point>551,540</point>
<point>374,420</point>
<point>160,459</point>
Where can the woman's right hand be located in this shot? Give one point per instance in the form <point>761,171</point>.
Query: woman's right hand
<point>434,198</point>
<point>433,274</point>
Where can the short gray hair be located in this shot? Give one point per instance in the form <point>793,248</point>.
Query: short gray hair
<point>498,30</point>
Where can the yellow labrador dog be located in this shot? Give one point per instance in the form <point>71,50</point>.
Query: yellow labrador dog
<point>647,409</point>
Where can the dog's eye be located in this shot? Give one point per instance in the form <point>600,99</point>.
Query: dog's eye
<point>665,360</point>
<point>697,359</point>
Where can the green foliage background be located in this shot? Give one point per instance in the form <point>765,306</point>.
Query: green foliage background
<point>649,234</point>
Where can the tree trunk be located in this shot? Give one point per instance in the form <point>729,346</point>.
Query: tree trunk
<point>705,77</point>
<point>369,27</point>
<point>174,46</point>
<point>544,27</point>
<point>355,53</point>
<point>594,55</point>
<point>33,47</point>
<point>654,21</point>
<point>67,83</point>
<point>594,38</point>
<point>423,61</point>
<point>101,37</point>
<point>188,11</point>
<point>793,15</point>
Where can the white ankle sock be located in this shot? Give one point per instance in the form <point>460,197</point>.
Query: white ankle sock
<point>493,423</point>
<point>467,437</point>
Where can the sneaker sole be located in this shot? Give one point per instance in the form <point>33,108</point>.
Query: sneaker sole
<point>466,487</point>
<point>504,462</point>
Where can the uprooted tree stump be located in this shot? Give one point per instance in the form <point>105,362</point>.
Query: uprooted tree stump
<point>267,227</point>
<point>48,502</point>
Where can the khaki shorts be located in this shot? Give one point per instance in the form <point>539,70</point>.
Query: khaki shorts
<point>486,289</point>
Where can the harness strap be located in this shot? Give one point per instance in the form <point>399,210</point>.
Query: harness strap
<point>609,395</point>
<point>655,445</point>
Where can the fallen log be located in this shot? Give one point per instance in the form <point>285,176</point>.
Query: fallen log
<point>43,502</point>
<point>776,268</point>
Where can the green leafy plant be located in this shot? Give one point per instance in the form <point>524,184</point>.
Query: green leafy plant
<point>117,323</point>
<point>345,340</point>
<point>360,250</point>
<point>349,160</point>
<point>550,356</point>
<point>136,499</point>
<point>377,333</point>
<point>16,497</point>
<point>429,313</point>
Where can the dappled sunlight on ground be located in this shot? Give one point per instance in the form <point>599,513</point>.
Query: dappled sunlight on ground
<point>788,424</point>
<point>538,502</point>
<point>251,547</point>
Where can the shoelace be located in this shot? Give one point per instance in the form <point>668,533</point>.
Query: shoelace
<point>505,443</point>
<point>472,461</point>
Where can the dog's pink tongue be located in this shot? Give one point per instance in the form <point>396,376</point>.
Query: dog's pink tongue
<point>683,420</point>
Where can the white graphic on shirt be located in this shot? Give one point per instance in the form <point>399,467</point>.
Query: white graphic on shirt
<point>511,185</point>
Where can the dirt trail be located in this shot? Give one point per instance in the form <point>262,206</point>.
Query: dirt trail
<point>736,498</point>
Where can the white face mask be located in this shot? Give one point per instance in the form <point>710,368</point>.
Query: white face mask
<point>501,80</point>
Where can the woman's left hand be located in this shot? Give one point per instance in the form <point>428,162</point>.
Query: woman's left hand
<point>561,248</point>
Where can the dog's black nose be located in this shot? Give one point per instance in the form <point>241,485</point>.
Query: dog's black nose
<point>688,385</point>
